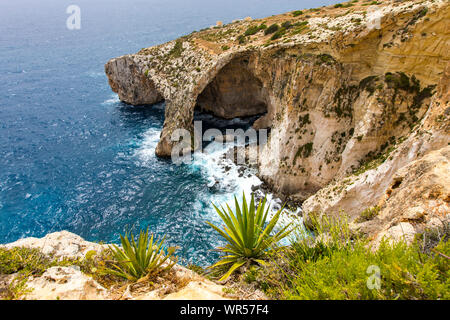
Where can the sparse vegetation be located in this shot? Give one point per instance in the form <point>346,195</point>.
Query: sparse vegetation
<point>177,49</point>
<point>369,214</point>
<point>303,151</point>
<point>281,32</point>
<point>374,160</point>
<point>254,29</point>
<point>325,58</point>
<point>299,27</point>
<point>334,263</point>
<point>271,29</point>
<point>24,260</point>
<point>286,25</point>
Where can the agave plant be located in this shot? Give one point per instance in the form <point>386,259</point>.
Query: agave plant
<point>143,258</point>
<point>247,234</point>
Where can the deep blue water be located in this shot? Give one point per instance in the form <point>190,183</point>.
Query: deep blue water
<point>72,157</point>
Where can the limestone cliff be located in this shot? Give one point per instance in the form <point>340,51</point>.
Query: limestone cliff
<point>350,93</point>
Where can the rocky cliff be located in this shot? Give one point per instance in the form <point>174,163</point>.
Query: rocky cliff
<point>356,97</point>
<point>66,281</point>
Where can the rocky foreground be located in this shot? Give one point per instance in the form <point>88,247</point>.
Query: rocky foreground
<point>68,282</point>
<point>356,96</point>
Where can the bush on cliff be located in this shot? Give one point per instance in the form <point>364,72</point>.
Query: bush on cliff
<point>271,29</point>
<point>27,261</point>
<point>336,264</point>
<point>254,29</point>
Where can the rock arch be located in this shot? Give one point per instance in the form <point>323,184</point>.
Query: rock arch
<point>234,92</point>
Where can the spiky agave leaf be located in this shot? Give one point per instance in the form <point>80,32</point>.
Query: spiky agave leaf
<point>248,236</point>
<point>141,258</point>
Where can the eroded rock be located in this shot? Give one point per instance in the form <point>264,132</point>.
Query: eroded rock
<point>62,244</point>
<point>65,283</point>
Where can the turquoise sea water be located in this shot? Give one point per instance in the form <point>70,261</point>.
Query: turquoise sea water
<point>72,156</point>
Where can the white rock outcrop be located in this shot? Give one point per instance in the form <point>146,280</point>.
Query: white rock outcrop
<point>70,283</point>
<point>61,244</point>
<point>65,283</point>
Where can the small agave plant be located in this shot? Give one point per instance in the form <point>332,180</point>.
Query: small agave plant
<point>144,258</point>
<point>248,234</point>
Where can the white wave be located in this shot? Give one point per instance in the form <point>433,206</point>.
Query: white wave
<point>113,100</point>
<point>94,74</point>
<point>229,180</point>
<point>224,178</point>
<point>146,152</point>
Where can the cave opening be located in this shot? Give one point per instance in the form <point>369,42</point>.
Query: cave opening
<point>234,93</point>
<point>234,99</point>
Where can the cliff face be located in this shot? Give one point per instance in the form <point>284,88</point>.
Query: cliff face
<point>410,188</point>
<point>343,91</point>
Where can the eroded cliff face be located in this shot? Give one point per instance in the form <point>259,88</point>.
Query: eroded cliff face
<point>129,80</point>
<point>409,187</point>
<point>346,93</point>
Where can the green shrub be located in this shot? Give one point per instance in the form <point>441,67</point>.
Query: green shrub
<point>143,258</point>
<point>271,29</point>
<point>254,29</point>
<point>369,214</point>
<point>423,12</point>
<point>177,49</point>
<point>247,234</point>
<point>251,30</point>
<point>241,39</point>
<point>299,27</point>
<point>338,265</point>
<point>297,13</point>
<point>27,261</point>
<point>16,289</point>
<point>303,151</point>
<point>281,32</point>
<point>300,23</point>
<point>343,5</point>
<point>286,25</point>
<point>374,160</point>
<point>371,3</point>
<point>325,58</point>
